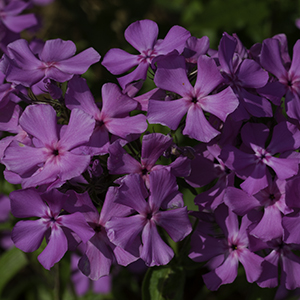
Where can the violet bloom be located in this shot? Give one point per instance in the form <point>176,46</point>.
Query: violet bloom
<point>244,76</point>
<point>56,61</point>
<point>113,117</point>
<point>99,252</point>
<point>82,283</point>
<point>251,165</point>
<point>171,76</point>
<point>58,228</point>
<point>281,254</point>
<point>153,146</point>
<point>207,167</point>
<point>11,18</point>
<point>142,35</point>
<point>224,254</point>
<point>271,199</point>
<point>9,121</point>
<point>54,155</point>
<point>288,75</point>
<point>137,233</point>
<point>193,49</point>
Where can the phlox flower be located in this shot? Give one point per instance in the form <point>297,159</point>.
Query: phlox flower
<point>153,146</point>
<point>280,254</point>
<point>138,233</point>
<point>113,117</point>
<point>58,228</point>
<point>55,61</point>
<point>54,155</point>
<point>224,254</point>
<point>244,76</point>
<point>171,76</point>
<point>251,163</point>
<point>98,252</point>
<point>142,35</point>
<point>269,205</point>
<point>287,74</point>
<point>11,18</point>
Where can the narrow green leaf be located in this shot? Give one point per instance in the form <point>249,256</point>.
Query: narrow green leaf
<point>162,283</point>
<point>11,262</point>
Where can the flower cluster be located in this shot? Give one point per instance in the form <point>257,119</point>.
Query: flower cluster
<point>98,178</point>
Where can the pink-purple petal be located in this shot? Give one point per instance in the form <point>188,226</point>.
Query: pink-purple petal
<point>125,232</point>
<point>224,274</point>
<point>78,131</point>
<point>28,235</point>
<point>208,76</point>
<point>271,59</point>
<point>14,158</point>
<point>175,222</point>
<point>269,227</point>
<point>27,203</point>
<point>55,250</point>
<point>251,263</point>
<point>118,61</point>
<point>251,75</point>
<point>155,252</point>
<point>221,104</point>
<point>153,146</point>
<point>78,95</point>
<point>97,260</point>
<point>239,201</point>
<point>284,167</point>
<point>123,127</point>
<point>171,75</point>
<point>132,193</point>
<point>19,23</point>
<point>163,186</point>
<point>19,51</point>
<point>197,126</point>
<point>40,121</point>
<point>142,35</point>
<point>77,223</point>
<point>56,50</point>
<point>175,39</point>
<point>79,63</point>
<point>168,113</point>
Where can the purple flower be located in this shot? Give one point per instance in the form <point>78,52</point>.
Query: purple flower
<point>153,146</point>
<point>225,254</point>
<point>113,118</point>
<point>138,232</point>
<point>142,35</point>
<point>58,228</point>
<point>244,76</point>
<point>56,61</point>
<point>288,75</point>
<point>171,76</point>
<point>55,154</point>
<point>281,254</point>
<point>9,15</point>
<point>251,165</point>
<point>205,168</point>
<point>271,199</point>
<point>99,252</point>
<point>9,121</point>
<point>82,283</point>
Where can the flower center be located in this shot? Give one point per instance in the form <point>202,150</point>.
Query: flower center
<point>147,56</point>
<point>55,152</point>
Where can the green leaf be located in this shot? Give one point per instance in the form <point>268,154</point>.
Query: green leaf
<point>11,262</point>
<point>163,283</point>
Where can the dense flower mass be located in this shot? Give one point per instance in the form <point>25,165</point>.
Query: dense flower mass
<point>107,179</point>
